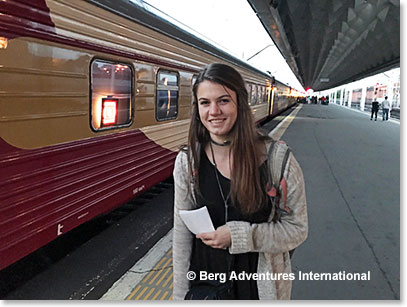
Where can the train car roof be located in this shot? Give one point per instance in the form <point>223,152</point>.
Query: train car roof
<point>137,13</point>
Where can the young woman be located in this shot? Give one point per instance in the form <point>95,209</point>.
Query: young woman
<point>224,167</point>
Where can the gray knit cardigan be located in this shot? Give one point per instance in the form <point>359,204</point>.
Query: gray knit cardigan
<point>271,240</point>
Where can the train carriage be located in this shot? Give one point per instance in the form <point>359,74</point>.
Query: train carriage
<point>94,102</point>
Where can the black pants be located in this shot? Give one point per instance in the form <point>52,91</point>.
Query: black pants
<point>375,113</point>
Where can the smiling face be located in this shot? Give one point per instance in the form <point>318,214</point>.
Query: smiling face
<point>217,106</point>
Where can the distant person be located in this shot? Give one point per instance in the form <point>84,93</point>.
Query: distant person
<point>375,109</point>
<point>386,108</point>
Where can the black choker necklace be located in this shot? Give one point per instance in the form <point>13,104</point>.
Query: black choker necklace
<point>225,143</point>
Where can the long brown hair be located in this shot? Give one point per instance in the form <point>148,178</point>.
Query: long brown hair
<point>245,188</point>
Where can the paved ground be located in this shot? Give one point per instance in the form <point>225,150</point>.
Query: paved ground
<point>351,167</point>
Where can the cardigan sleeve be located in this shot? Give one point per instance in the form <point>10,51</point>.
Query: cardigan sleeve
<point>281,236</point>
<point>182,237</point>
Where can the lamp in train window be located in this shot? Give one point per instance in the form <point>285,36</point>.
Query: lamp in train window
<point>3,42</point>
<point>109,111</point>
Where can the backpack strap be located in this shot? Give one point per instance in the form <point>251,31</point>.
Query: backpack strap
<point>277,153</point>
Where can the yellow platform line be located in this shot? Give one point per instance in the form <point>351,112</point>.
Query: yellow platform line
<point>158,274</point>
<point>134,292</point>
<point>148,294</point>
<point>168,279</point>
<point>153,270</point>
<point>163,276</point>
<point>156,286</point>
<point>164,295</point>
<point>141,293</point>
<point>278,131</point>
<point>157,294</point>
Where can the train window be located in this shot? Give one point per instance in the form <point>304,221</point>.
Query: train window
<point>111,92</point>
<point>265,100</point>
<point>249,90</point>
<point>261,94</point>
<point>253,98</point>
<point>167,96</point>
<point>264,95</point>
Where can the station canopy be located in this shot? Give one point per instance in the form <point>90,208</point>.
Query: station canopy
<point>328,43</point>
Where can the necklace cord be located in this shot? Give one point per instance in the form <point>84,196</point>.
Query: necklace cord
<point>220,187</point>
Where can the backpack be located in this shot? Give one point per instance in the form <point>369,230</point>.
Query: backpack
<point>278,153</point>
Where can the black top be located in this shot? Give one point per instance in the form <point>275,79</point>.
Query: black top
<point>375,105</point>
<point>213,260</point>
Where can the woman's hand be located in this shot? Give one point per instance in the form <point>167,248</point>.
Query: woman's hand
<point>220,238</point>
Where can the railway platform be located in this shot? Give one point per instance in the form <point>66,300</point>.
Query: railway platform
<point>351,167</point>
